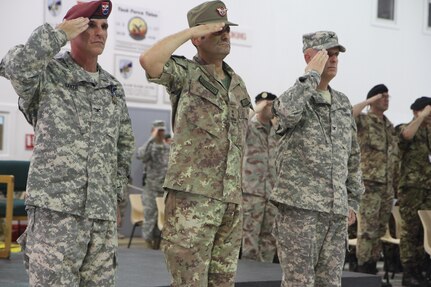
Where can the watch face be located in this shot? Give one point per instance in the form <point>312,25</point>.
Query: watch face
<point>137,28</point>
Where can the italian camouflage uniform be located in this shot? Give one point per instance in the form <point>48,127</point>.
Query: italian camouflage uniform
<point>414,193</point>
<point>203,216</point>
<point>155,157</point>
<point>258,178</point>
<point>379,161</point>
<point>80,162</point>
<point>318,181</point>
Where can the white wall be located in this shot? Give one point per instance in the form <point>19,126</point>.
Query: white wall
<point>399,56</point>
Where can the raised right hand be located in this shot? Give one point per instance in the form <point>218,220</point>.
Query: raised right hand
<point>374,98</point>
<point>260,106</point>
<point>318,62</point>
<point>202,30</point>
<point>425,112</point>
<point>73,27</point>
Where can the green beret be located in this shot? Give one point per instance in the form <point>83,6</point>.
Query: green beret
<point>420,103</point>
<point>265,96</point>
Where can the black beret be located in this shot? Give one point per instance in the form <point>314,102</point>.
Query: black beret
<point>265,96</point>
<point>378,89</point>
<point>91,10</point>
<point>420,103</point>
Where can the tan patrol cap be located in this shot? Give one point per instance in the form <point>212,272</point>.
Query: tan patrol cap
<point>208,12</point>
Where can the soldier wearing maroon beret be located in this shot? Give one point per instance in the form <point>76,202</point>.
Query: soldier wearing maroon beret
<point>82,153</point>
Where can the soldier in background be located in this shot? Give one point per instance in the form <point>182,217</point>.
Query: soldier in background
<point>201,235</point>
<point>258,178</point>
<point>82,151</point>
<point>379,161</point>
<point>319,182</point>
<point>154,155</point>
<point>414,191</point>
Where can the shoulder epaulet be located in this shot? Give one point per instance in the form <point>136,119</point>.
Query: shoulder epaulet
<point>181,60</point>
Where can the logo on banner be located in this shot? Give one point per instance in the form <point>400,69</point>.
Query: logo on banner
<point>137,28</point>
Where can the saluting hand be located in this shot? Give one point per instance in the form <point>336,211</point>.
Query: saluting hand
<point>352,217</point>
<point>318,62</point>
<point>74,27</point>
<point>260,106</point>
<point>374,98</point>
<point>202,30</point>
<point>425,112</point>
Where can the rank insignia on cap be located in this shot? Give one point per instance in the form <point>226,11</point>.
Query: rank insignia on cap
<point>264,95</point>
<point>222,11</point>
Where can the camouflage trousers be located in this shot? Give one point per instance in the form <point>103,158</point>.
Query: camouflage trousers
<point>311,247</point>
<point>374,212</point>
<point>151,191</point>
<point>201,239</point>
<point>411,200</point>
<point>66,250</point>
<point>258,243</point>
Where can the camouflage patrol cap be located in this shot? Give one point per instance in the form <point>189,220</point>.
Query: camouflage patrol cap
<point>208,12</point>
<point>321,40</point>
<point>265,96</point>
<point>160,125</point>
<point>420,103</point>
<point>91,10</point>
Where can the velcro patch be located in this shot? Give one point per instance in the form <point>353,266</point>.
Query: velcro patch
<point>245,103</point>
<point>208,85</point>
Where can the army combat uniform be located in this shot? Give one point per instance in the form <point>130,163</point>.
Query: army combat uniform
<point>203,215</point>
<point>414,194</point>
<point>80,162</point>
<point>318,181</point>
<point>154,156</point>
<point>379,160</point>
<point>258,178</point>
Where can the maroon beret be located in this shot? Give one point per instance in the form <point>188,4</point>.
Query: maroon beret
<point>91,10</point>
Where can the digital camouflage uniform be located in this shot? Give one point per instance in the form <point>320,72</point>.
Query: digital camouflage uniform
<point>258,178</point>
<point>318,180</point>
<point>379,161</point>
<point>80,162</point>
<point>201,236</point>
<point>414,193</point>
<point>155,157</point>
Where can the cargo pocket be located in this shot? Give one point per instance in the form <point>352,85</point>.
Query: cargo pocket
<point>115,260</point>
<point>22,240</point>
<point>179,227</point>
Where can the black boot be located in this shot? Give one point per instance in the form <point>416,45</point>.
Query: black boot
<point>369,267</point>
<point>412,277</point>
<point>386,284</point>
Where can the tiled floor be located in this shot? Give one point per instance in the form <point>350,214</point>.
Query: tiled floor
<point>396,281</point>
<point>138,243</point>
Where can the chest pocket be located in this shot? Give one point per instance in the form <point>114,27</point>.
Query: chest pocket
<point>377,137</point>
<point>204,108</point>
<point>342,127</point>
<point>239,108</point>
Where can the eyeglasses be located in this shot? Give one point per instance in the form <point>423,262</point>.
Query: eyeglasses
<point>226,29</point>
